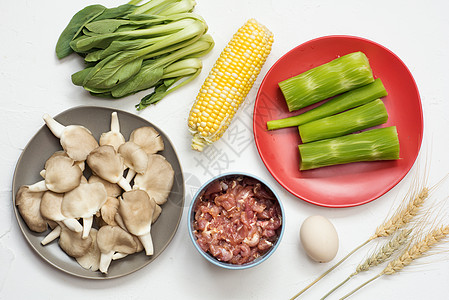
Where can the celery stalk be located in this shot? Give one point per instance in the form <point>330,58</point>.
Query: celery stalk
<point>368,115</point>
<point>335,77</point>
<point>345,101</point>
<point>371,145</point>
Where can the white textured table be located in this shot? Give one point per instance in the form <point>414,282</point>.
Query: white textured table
<point>34,82</point>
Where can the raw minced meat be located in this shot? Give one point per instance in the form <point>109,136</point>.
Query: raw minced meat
<point>237,219</point>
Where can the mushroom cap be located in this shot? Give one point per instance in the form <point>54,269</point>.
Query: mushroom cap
<point>28,204</point>
<point>157,212</point>
<point>157,180</point>
<point>109,209</point>
<point>148,138</point>
<point>114,139</point>
<point>78,142</point>
<point>134,157</point>
<point>50,207</point>
<point>112,189</point>
<point>63,153</point>
<point>62,174</point>
<point>91,260</point>
<point>84,201</point>
<point>136,209</point>
<point>114,238</point>
<point>73,244</point>
<point>106,163</point>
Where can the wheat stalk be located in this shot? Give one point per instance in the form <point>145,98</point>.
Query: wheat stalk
<point>377,258</point>
<point>414,252</point>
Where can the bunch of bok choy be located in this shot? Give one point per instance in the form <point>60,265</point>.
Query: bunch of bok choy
<point>131,48</point>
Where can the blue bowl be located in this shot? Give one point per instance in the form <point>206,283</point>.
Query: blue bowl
<point>208,256</point>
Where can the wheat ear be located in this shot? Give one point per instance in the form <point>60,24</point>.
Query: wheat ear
<point>377,258</point>
<point>414,252</point>
<point>403,216</point>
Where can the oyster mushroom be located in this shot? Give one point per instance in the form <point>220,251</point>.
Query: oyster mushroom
<point>109,210</point>
<point>148,138</point>
<point>120,255</point>
<point>73,243</point>
<point>28,203</point>
<point>80,164</point>
<point>112,239</point>
<point>76,140</point>
<point>91,259</point>
<point>106,163</point>
<point>157,180</point>
<point>135,159</point>
<point>113,137</point>
<point>61,175</point>
<point>136,210</point>
<point>84,202</point>
<point>50,209</point>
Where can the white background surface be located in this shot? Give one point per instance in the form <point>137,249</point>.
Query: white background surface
<point>34,82</point>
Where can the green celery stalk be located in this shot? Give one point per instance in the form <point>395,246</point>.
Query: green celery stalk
<point>345,101</point>
<point>335,77</point>
<point>371,145</point>
<point>368,115</point>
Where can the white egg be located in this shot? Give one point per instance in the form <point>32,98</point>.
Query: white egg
<point>319,238</point>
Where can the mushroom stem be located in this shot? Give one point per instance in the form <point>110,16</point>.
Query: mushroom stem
<point>73,225</point>
<point>39,186</point>
<point>115,125</point>
<point>87,225</point>
<point>124,184</point>
<point>130,175</point>
<point>55,127</point>
<point>105,261</point>
<point>118,255</point>
<point>147,243</point>
<point>54,234</point>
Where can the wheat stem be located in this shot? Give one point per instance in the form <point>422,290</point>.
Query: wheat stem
<point>338,286</point>
<point>329,270</point>
<point>360,286</point>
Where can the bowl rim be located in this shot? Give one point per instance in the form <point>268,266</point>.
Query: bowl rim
<point>215,261</point>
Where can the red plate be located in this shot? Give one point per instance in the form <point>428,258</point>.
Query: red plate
<point>344,185</point>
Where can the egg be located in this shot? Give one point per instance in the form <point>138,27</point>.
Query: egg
<point>319,238</point>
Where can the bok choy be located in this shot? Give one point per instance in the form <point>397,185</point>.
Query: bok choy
<point>131,48</point>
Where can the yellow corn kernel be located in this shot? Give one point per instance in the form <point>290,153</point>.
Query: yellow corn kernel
<point>228,83</point>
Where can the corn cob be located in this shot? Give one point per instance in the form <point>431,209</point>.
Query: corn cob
<point>228,83</point>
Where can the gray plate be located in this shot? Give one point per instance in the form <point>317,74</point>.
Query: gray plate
<point>44,144</point>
